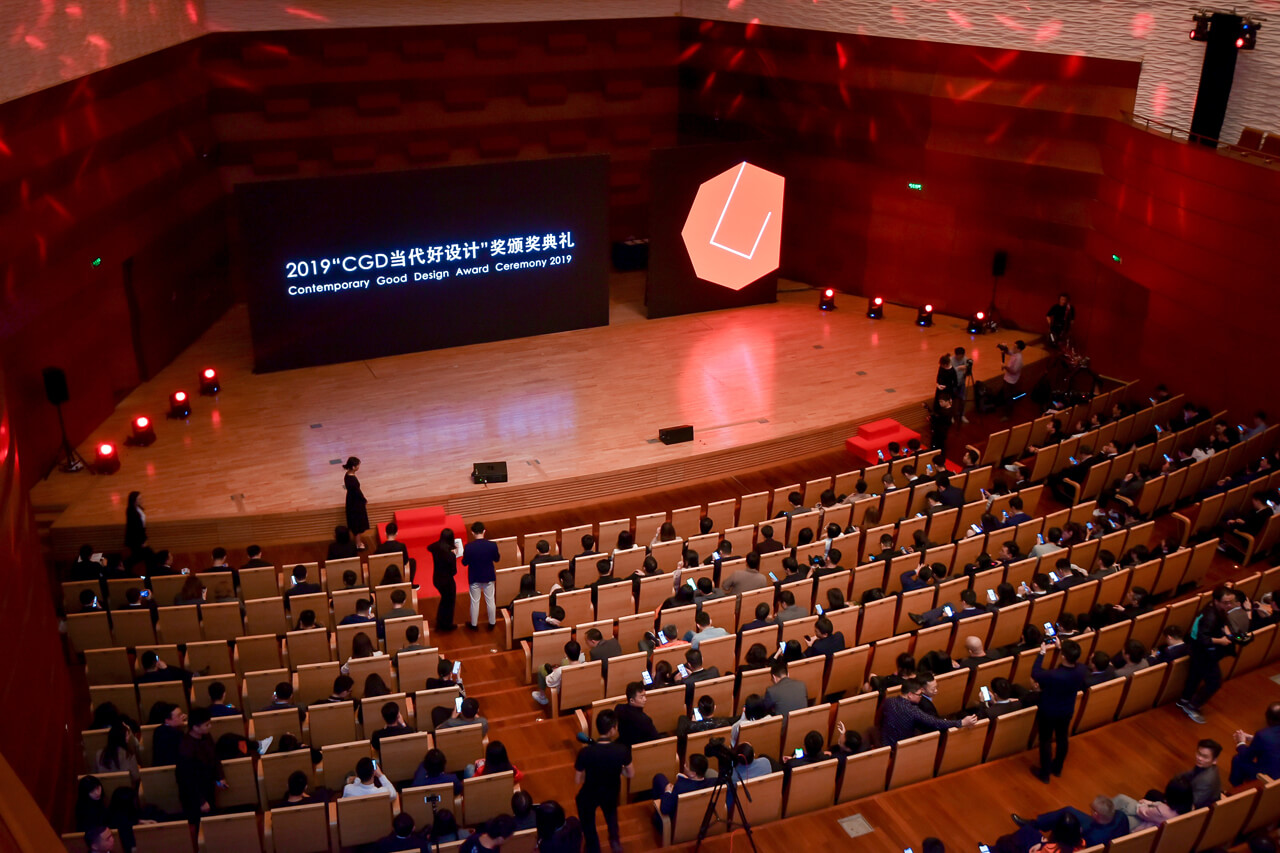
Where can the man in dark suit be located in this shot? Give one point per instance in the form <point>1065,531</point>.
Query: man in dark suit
<point>394,724</point>
<point>604,570</point>
<point>154,669</point>
<point>828,640</point>
<point>401,837</point>
<point>695,672</point>
<point>1058,690</point>
<point>166,739</point>
<point>301,586</point>
<point>1016,514</point>
<point>949,494</point>
<point>255,558</point>
<point>767,543</point>
<point>761,620</point>
<point>786,694</point>
<point>1258,753</point>
<point>634,725</point>
<point>391,546</point>
<point>588,550</point>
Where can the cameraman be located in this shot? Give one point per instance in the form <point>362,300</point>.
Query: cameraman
<point>1011,362</point>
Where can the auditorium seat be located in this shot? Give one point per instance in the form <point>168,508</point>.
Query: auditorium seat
<point>865,774</point>
<point>356,821</point>
<point>462,745</point>
<point>168,837</point>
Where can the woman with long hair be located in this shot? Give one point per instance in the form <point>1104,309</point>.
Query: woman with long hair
<point>445,552</point>
<point>343,546</point>
<point>193,592</point>
<point>361,647</point>
<point>91,811</point>
<point>357,512</point>
<point>120,753</point>
<point>496,761</point>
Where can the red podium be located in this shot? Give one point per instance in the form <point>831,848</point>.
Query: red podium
<point>876,436</point>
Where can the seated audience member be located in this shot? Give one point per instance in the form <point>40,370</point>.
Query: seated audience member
<point>903,718</point>
<point>307,621</point>
<point>220,563</point>
<point>343,545</point>
<point>835,600</point>
<point>218,704</point>
<point>1258,753</point>
<point>786,694</point>
<point>1172,646</point>
<point>281,698</point>
<point>705,590</point>
<point>748,578</point>
<point>398,609</point>
<point>634,725</point>
<point>1100,669</point>
<point>361,647</point>
<point>444,829</point>
<point>747,765</point>
<point>341,690</point>
<point>412,635</point>
<point>495,761</point>
<point>394,724</point>
<point>1102,825</point>
<point>767,543</point>
<point>705,630</point>
<point>814,751</point>
<point>827,641</point>
<point>602,648</point>
<point>154,669</point>
<point>432,772</point>
<point>522,811</point>
<point>494,833</point>
<point>255,558</point>
<point>703,719</point>
<point>787,608</point>
<point>1203,778</point>
<point>468,715</point>
<point>1133,659</point>
<point>695,671</point>
<point>757,657</point>
<point>350,579</point>
<point>362,615</point>
<point>368,780</point>
<point>1177,799</point>
<point>848,741</point>
<point>402,836</point>
<point>297,792</point>
<point>761,620</point>
<point>1004,699</point>
<point>692,777</point>
<point>549,619</point>
<point>906,668</point>
<point>121,751</point>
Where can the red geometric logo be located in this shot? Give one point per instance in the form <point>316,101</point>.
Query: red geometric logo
<point>734,229</point>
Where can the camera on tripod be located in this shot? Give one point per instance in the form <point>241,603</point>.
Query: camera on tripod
<point>724,756</point>
<point>1004,349</point>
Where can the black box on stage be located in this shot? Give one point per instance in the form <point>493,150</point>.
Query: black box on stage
<point>489,472</point>
<point>676,434</point>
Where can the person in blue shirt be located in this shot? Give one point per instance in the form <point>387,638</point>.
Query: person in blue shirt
<point>1258,753</point>
<point>480,556</point>
<point>432,772</point>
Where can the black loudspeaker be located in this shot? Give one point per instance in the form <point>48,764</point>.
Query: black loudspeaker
<point>1216,76</point>
<point>55,385</point>
<point>676,434</point>
<point>998,262</point>
<point>489,472</point>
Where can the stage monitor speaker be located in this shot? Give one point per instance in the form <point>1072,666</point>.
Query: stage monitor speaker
<point>55,385</point>
<point>676,434</point>
<point>998,262</point>
<point>489,472</point>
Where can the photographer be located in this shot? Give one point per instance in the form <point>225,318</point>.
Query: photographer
<point>1058,690</point>
<point>1011,362</point>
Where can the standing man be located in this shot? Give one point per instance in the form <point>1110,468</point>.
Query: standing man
<point>598,771</point>
<point>1011,362</point>
<point>1208,640</point>
<point>940,419</point>
<point>963,367</point>
<point>1058,689</point>
<point>480,557</point>
<point>199,772</point>
<point>1059,318</point>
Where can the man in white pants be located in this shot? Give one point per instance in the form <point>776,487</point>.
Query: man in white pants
<point>480,556</point>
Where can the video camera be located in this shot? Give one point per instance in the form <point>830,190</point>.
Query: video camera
<point>716,748</point>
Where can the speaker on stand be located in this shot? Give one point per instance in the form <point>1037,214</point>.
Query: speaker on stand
<point>999,261</point>
<point>57,393</point>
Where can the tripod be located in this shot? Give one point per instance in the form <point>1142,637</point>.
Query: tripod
<point>71,461</point>
<point>709,819</point>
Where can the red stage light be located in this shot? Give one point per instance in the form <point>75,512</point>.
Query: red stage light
<point>830,292</point>
<point>981,316</point>
<point>106,449</point>
<point>105,459</point>
<point>144,434</point>
<point>1192,34</point>
<point>142,422</point>
<point>879,301</point>
<point>928,309</point>
<point>209,384</point>
<point>179,405</point>
<point>1239,42</point>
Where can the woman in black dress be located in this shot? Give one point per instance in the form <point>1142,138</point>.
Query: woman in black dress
<point>135,529</point>
<point>445,552</point>
<point>357,515</point>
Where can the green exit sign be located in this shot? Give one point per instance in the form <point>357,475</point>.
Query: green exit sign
<point>915,186</point>
<point>1115,258</point>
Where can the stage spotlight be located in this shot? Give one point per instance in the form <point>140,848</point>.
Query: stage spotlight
<point>977,323</point>
<point>875,308</point>
<point>1248,37</point>
<point>828,301</point>
<point>144,433</point>
<point>105,459</point>
<point>924,317</point>
<point>209,382</point>
<point>179,405</point>
<point>1200,32</point>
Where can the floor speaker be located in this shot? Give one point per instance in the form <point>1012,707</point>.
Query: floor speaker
<point>676,434</point>
<point>489,472</point>
<point>55,385</point>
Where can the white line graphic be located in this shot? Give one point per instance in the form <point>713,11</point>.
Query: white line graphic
<point>729,201</point>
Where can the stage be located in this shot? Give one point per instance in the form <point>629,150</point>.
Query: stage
<point>575,416</point>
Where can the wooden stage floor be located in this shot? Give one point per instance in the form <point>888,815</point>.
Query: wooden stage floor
<point>575,415</point>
